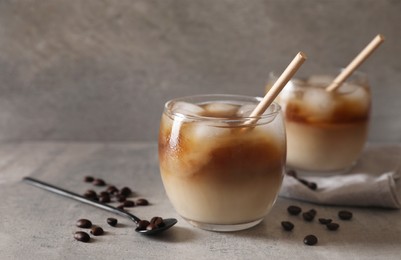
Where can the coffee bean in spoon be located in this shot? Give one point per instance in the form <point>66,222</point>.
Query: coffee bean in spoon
<point>157,221</point>
<point>142,225</point>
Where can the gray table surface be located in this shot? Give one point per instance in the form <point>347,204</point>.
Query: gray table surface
<point>36,224</point>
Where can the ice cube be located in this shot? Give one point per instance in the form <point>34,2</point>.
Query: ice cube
<point>319,102</point>
<point>204,132</point>
<point>246,110</point>
<point>221,109</point>
<point>188,109</point>
<point>320,80</point>
<point>359,98</point>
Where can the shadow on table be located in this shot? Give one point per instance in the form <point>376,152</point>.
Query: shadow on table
<point>175,235</point>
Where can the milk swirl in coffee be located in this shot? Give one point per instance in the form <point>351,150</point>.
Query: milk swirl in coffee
<point>217,173</point>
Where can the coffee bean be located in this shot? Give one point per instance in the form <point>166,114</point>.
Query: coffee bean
<point>141,202</point>
<point>90,194</point>
<point>88,179</point>
<point>310,240</point>
<point>97,231</point>
<point>99,182</point>
<point>125,191</point>
<point>345,215</point>
<point>142,225</point>
<point>84,223</point>
<point>120,198</point>
<point>104,193</point>
<point>129,204</point>
<point>112,222</point>
<point>82,236</point>
<point>308,216</point>
<point>325,221</point>
<point>121,206</point>
<point>151,227</point>
<point>104,199</point>
<point>287,225</point>
<point>294,210</point>
<point>312,185</point>
<point>313,212</point>
<point>112,189</point>
<point>332,226</point>
<point>157,221</point>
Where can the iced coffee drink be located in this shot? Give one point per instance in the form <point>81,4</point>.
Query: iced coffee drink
<point>326,131</point>
<point>219,171</point>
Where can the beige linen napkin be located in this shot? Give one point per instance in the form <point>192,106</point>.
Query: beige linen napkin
<point>374,182</point>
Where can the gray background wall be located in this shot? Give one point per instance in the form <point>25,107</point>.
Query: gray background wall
<point>101,70</point>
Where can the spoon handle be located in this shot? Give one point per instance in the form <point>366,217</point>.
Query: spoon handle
<point>72,195</point>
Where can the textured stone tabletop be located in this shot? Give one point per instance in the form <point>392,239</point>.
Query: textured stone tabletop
<point>36,224</point>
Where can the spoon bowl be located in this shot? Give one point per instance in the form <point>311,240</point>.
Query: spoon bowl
<point>168,223</point>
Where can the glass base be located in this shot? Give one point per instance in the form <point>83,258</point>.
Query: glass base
<point>317,173</point>
<point>223,227</point>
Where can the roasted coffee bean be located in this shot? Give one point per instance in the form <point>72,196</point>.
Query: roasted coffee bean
<point>325,221</point>
<point>104,199</point>
<point>99,182</point>
<point>308,216</point>
<point>151,227</point>
<point>97,231</point>
<point>141,202</point>
<point>82,236</point>
<point>332,226</point>
<point>310,240</point>
<point>121,206</point>
<point>84,223</point>
<point>142,225</point>
<point>88,179</point>
<point>112,189</point>
<point>287,225</point>
<point>121,198</point>
<point>345,215</point>
<point>312,185</point>
<point>112,222</point>
<point>157,221</point>
<point>125,191</point>
<point>90,194</point>
<point>294,210</point>
<point>129,204</point>
<point>313,212</point>
<point>104,193</point>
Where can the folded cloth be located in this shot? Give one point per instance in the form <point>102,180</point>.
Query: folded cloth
<point>366,189</point>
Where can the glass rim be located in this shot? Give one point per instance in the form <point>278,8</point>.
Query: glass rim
<point>221,97</point>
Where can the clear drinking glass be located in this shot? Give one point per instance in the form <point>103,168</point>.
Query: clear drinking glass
<point>220,171</point>
<point>326,131</point>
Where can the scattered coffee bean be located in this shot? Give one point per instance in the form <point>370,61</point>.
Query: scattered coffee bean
<point>99,182</point>
<point>294,210</point>
<point>308,216</point>
<point>287,225</point>
<point>332,226</point>
<point>129,204</point>
<point>121,198</point>
<point>141,202</point>
<point>84,223</point>
<point>88,179</point>
<point>310,240</point>
<point>82,236</point>
<point>325,221</point>
<point>345,215</point>
<point>104,199</point>
<point>90,194</point>
<point>142,225</point>
<point>125,191</point>
<point>121,206</point>
<point>104,193</point>
<point>313,212</point>
<point>112,189</point>
<point>112,222</point>
<point>97,231</point>
<point>312,185</point>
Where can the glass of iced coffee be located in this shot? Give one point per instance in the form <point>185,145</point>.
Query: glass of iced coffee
<point>221,169</point>
<point>326,131</point>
